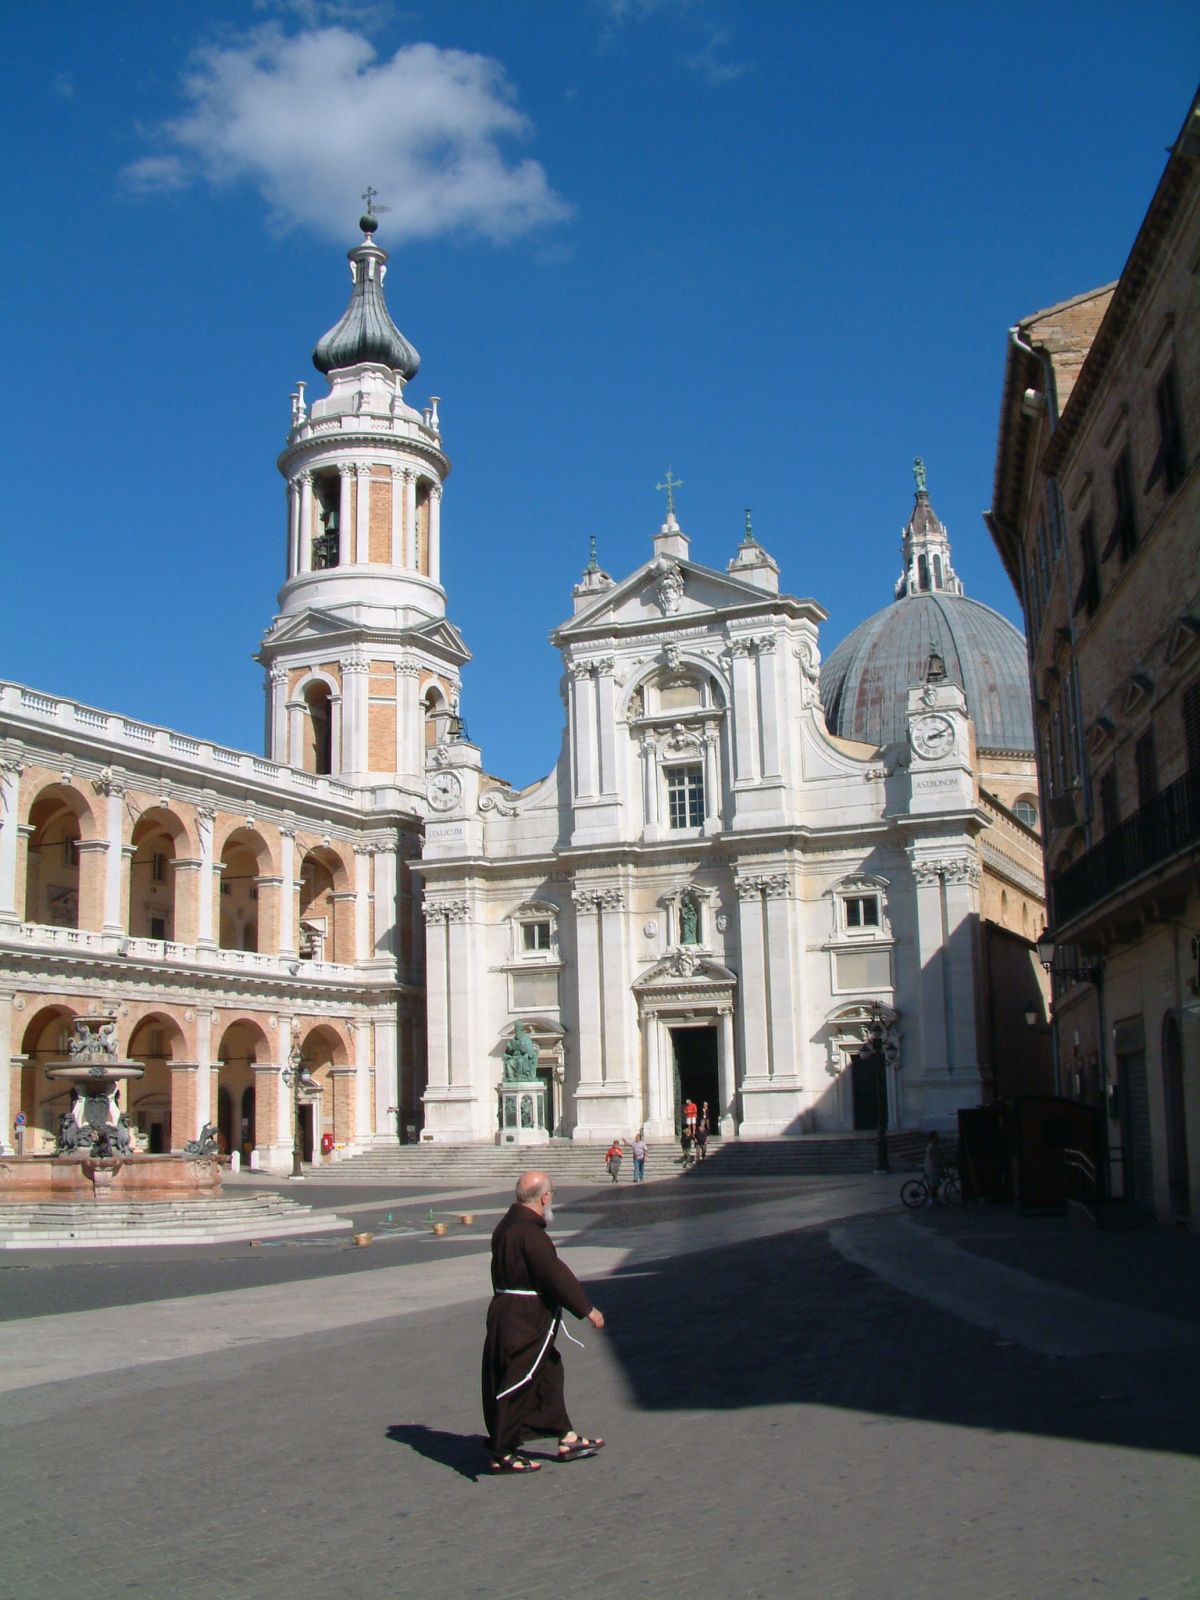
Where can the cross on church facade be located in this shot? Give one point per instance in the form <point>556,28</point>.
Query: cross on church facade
<point>670,484</point>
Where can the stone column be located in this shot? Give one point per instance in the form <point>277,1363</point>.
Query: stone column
<point>606,728</point>
<point>205,1107</point>
<point>306,522</point>
<point>768,710</point>
<point>185,1077</point>
<point>362,901</point>
<point>11,910</point>
<point>384,944</point>
<point>435,533</point>
<point>756,1041</point>
<point>270,912</point>
<point>960,915</point>
<point>25,832</point>
<point>293,515</point>
<point>345,515</point>
<point>410,753</point>
<point>360,1032</point>
<point>712,784</point>
<point>387,1076</point>
<point>437,993</point>
<point>93,857</point>
<point>929,1047</point>
<point>727,1074</point>
<point>620,1043</point>
<point>583,700</point>
<point>272,1151</point>
<point>397,551</point>
<point>210,878</point>
<point>783,966</point>
<point>745,738</point>
<point>362,515</point>
<point>356,678</point>
<point>286,915</point>
<point>277,731</point>
<point>410,518</point>
<point>589,977</point>
<point>7,1110</point>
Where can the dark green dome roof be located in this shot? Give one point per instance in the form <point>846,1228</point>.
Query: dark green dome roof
<point>366,332</point>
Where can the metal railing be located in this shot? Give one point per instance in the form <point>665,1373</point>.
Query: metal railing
<point>1167,825</point>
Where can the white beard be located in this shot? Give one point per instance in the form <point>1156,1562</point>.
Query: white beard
<point>548,1213</point>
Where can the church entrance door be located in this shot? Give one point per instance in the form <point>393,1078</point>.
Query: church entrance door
<point>696,1075</point>
<point>865,1078</point>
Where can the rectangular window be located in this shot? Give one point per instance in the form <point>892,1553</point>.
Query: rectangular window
<point>158,930</point>
<point>1190,701</point>
<point>862,911</point>
<point>1110,813</point>
<point>1088,596</point>
<point>158,868</point>
<point>70,853</point>
<point>535,935</point>
<point>1170,463</point>
<point>1124,533</point>
<point>1146,763</point>
<point>685,796</point>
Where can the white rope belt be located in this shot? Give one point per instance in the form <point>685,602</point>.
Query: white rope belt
<point>533,1292</point>
<point>554,1327</point>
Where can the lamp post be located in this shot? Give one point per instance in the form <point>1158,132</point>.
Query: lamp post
<point>297,1076</point>
<point>877,1047</point>
<point>1090,972</point>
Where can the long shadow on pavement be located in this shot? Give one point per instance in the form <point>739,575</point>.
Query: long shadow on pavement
<point>788,1321</point>
<point>465,1453</point>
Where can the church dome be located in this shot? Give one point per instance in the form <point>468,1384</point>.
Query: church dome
<point>366,332</point>
<point>865,681</point>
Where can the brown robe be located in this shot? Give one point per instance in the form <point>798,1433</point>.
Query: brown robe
<point>522,1370</point>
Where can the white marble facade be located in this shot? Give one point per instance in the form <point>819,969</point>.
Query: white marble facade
<point>710,895</point>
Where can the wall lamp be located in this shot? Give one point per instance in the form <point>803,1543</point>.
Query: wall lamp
<point>1090,972</point>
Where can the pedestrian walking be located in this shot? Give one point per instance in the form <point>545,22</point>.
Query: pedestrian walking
<point>612,1160</point>
<point>701,1139</point>
<point>639,1157</point>
<point>523,1390</point>
<point>689,1115</point>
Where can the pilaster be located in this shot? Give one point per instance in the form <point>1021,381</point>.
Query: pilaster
<point>11,910</point>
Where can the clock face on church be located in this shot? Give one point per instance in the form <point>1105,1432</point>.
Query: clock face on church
<point>443,790</point>
<point>933,736</point>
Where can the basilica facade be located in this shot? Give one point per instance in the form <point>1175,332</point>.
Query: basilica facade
<point>804,896</point>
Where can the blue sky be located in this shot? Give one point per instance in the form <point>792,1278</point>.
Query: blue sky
<point>775,246</point>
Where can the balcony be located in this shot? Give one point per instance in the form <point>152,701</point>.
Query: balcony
<point>159,953</point>
<point>1152,836</point>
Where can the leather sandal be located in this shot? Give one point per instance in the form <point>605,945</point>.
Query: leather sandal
<point>516,1461</point>
<point>578,1448</point>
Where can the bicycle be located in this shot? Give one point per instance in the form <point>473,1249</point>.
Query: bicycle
<point>915,1192</point>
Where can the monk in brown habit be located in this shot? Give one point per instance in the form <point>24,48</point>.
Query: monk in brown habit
<point>522,1370</point>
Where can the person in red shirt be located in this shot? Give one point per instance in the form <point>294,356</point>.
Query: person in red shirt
<point>689,1115</point>
<point>612,1159</point>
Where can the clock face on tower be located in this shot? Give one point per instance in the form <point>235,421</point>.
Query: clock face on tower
<point>933,736</point>
<point>443,790</point>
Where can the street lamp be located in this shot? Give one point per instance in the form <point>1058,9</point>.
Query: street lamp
<point>878,1047</point>
<point>1090,972</point>
<point>297,1076</point>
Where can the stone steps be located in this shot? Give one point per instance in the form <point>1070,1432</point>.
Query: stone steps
<point>44,1224</point>
<point>573,1162</point>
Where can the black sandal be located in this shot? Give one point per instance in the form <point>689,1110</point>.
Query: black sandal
<point>579,1448</point>
<point>516,1461</point>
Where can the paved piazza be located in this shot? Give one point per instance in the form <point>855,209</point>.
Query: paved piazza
<point>805,1391</point>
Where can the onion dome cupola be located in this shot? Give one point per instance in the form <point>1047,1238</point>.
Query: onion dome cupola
<point>866,679</point>
<point>366,332</point>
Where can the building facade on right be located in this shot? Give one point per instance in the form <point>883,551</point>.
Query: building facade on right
<point>1096,514</point>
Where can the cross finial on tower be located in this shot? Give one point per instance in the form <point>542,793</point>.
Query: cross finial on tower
<point>670,484</point>
<point>369,199</point>
<point>919,474</point>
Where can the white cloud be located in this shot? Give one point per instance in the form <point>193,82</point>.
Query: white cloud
<point>311,118</point>
<point>708,61</point>
<point>155,175</point>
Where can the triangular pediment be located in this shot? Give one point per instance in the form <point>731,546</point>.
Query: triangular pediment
<point>443,637</point>
<point>667,592</point>
<point>308,624</point>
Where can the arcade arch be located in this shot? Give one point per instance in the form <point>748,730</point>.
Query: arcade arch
<point>157,838</point>
<point>60,819</point>
<point>46,1037</point>
<point>243,1045</point>
<point>244,860</point>
<point>155,1042</point>
<point>330,1107</point>
<point>325,910</point>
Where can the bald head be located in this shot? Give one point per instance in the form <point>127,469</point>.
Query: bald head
<point>531,1186</point>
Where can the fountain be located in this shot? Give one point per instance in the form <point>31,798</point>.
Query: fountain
<point>95,1156</point>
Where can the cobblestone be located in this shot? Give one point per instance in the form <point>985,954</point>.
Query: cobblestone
<point>780,1420</point>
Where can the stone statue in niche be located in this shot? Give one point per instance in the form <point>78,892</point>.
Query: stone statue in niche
<point>689,921</point>
<point>520,1057</point>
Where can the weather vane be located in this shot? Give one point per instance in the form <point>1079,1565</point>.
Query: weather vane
<point>369,199</point>
<point>670,484</point>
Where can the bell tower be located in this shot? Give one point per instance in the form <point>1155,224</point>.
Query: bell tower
<point>362,664</point>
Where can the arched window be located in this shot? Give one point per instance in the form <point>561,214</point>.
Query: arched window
<point>318,744</point>
<point>922,572</point>
<point>52,876</point>
<point>937,572</point>
<point>1026,811</point>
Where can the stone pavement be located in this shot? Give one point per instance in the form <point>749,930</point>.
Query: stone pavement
<point>805,1390</point>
